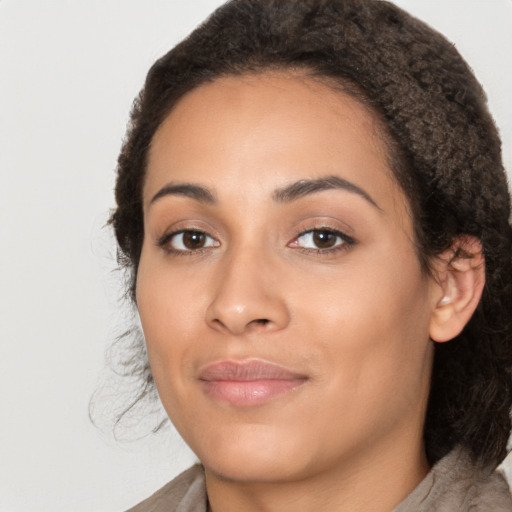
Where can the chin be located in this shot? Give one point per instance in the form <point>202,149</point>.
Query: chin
<point>252,453</point>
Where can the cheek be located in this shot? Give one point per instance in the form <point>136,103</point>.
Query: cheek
<point>374,295</point>
<point>370,321</point>
<point>169,308</point>
<point>168,300</point>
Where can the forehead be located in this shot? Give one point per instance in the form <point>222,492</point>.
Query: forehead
<point>267,99</point>
<point>267,130</point>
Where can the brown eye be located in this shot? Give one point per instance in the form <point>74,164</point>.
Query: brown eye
<point>194,239</point>
<point>324,239</point>
<point>187,241</point>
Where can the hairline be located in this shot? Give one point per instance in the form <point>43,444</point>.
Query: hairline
<point>338,84</point>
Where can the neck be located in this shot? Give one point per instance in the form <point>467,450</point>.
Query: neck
<point>375,484</point>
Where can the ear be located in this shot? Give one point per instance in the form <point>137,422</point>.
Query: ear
<point>460,279</point>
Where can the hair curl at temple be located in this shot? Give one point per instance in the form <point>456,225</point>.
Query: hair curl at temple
<point>445,154</point>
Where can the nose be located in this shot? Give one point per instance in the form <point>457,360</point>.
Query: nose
<point>247,296</point>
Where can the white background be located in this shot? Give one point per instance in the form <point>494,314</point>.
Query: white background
<point>68,73</point>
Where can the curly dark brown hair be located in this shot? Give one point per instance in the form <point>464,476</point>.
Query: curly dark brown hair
<point>445,154</point>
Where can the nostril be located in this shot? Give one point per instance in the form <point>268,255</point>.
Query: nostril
<point>218,323</point>
<point>260,321</point>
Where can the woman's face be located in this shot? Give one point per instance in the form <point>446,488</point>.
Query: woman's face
<point>284,308</point>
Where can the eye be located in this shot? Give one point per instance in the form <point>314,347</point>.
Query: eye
<point>187,241</point>
<point>322,239</point>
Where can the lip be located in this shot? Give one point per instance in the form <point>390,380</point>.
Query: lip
<point>249,382</point>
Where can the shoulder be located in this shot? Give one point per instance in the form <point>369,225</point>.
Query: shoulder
<point>476,489</point>
<point>186,493</point>
<point>456,484</point>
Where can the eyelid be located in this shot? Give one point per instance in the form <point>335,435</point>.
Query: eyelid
<point>346,240</point>
<point>165,240</point>
<point>323,225</point>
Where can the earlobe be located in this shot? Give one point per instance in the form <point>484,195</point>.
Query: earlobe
<point>460,275</point>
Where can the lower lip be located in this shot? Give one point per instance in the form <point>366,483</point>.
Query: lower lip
<point>247,393</point>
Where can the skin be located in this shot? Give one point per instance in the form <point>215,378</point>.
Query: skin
<point>354,319</point>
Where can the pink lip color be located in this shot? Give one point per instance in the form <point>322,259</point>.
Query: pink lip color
<point>247,383</point>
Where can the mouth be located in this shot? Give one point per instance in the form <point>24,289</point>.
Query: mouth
<point>249,382</point>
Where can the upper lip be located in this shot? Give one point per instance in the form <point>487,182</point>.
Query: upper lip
<point>247,370</point>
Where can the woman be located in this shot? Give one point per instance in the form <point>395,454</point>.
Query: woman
<point>313,209</point>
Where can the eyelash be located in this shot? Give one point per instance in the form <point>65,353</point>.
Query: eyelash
<point>345,243</point>
<point>164,242</point>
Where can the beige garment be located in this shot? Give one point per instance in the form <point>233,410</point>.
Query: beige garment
<point>186,493</point>
<point>453,485</point>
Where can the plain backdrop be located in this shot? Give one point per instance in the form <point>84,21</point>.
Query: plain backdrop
<point>69,70</point>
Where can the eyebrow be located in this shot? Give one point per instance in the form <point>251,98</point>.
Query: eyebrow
<point>286,194</point>
<point>197,192</point>
<point>306,187</point>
